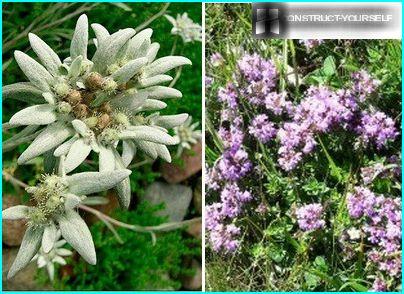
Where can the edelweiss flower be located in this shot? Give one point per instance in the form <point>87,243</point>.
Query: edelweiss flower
<point>47,257</point>
<point>92,105</point>
<point>56,198</point>
<point>187,135</point>
<point>184,27</point>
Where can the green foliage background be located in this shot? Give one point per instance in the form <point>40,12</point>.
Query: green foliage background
<point>136,264</point>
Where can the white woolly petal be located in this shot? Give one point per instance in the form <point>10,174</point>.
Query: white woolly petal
<point>152,52</point>
<point>80,127</point>
<point>15,212</point>
<point>122,188</point>
<point>48,238</point>
<point>152,104</point>
<point>71,201</point>
<point>51,270</point>
<point>160,92</point>
<point>65,147</point>
<point>131,101</point>
<point>106,54</point>
<point>164,64</point>
<point>155,80</point>
<point>101,33</point>
<point>49,138</point>
<point>35,72</point>
<point>128,152</point>
<point>77,154</point>
<point>79,43</point>
<point>49,98</point>
<point>42,114</point>
<point>125,73</point>
<point>60,243</point>
<point>41,261</point>
<point>106,159</point>
<point>63,251</point>
<point>170,121</point>
<point>148,148</point>
<point>59,260</point>
<point>136,42</point>
<point>75,231</point>
<point>75,67</point>
<point>29,247</point>
<point>93,182</point>
<point>48,57</point>
<point>147,133</point>
<point>23,91</point>
<point>162,152</point>
<point>95,200</point>
<point>171,20</point>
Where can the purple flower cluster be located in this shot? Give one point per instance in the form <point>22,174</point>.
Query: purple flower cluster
<point>228,95</point>
<point>216,59</point>
<point>262,129</point>
<point>311,43</point>
<point>376,127</point>
<point>309,217</point>
<point>364,84</point>
<point>380,219</point>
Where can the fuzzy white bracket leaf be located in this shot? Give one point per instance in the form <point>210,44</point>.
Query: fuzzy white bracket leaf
<point>93,182</point>
<point>65,147</point>
<point>48,57</point>
<point>162,152</point>
<point>79,42</point>
<point>23,91</point>
<point>128,152</point>
<point>106,159</point>
<point>35,72</point>
<point>101,33</point>
<point>50,137</point>
<point>170,121</point>
<point>75,231</point>
<point>48,238</point>
<point>29,247</point>
<point>148,148</point>
<point>122,188</point>
<point>146,133</point>
<point>42,114</point>
<point>152,104</point>
<point>15,212</point>
<point>71,201</point>
<point>106,54</point>
<point>126,72</point>
<point>136,42</point>
<point>164,64</point>
<point>129,100</point>
<point>161,92</point>
<point>75,67</point>
<point>77,154</point>
<point>152,52</point>
<point>155,80</point>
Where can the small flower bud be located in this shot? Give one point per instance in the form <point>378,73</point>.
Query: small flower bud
<point>91,121</point>
<point>109,136</point>
<point>73,97</point>
<point>110,86</point>
<point>121,118</point>
<point>80,110</point>
<point>88,97</point>
<point>113,68</point>
<point>106,108</point>
<point>95,81</point>
<point>64,107</point>
<point>103,121</point>
<point>61,89</point>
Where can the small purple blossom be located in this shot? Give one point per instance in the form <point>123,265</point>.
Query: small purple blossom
<point>228,95</point>
<point>311,43</point>
<point>208,81</point>
<point>376,127</point>
<point>364,84</point>
<point>233,200</point>
<point>309,217</point>
<point>262,129</point>
<point>379,285</point>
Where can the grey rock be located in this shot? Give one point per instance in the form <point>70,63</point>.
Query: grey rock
<point>176,199</point>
